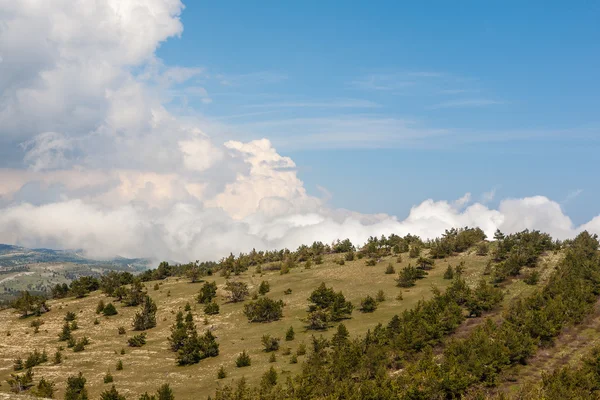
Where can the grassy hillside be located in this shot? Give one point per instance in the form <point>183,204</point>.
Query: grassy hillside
<point>155,363</point>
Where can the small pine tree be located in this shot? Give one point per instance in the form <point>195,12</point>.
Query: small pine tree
<point>119,366</point>
<point>264,288</point>
<point>45,389</point>
<point>390,269</point>
<point>100,307</point>
<point>70,316</point>
<point>165,393</point>
<point>269,379</point>
<point>211,308</point>
<point>221,374</point>
<point>122,330</point>
<point>368,304</point>
<point>57,358</point>
<point>272,358</point>
<point>146,317</point>
<point>243,360</point>
<point>290,334</point>
<point>449,274</point>
<point>301,349</point>
<point>380,296</point>
<point>108,378</point>
<point>294,359</point>
<point>76,388</point>
<point>187,307</point>
<point>111,394</point>
<point>109,310</point>
<point>270,343</point>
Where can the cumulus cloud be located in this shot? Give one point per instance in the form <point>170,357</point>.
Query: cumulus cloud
<point>108,169</point>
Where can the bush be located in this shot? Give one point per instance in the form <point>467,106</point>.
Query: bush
<point>449,273</point>
<point>483,249</point>
<point>208,292</point>
<point>301,349</point>
<point>269,379</point>
<point>368,304</point>
<point>287,291</point>
<point>122,330</point>
<point>349,256</point>
<point>100,307</point>
<point>333,304</point>
<point>70,316</point>
<point>137,340</point>
<point>44,389</point>
<point>108,378</point>
<point>80,345</point>
<point>211,308</point>
<point>270,343</point>
<point>290,334</point>
<point>264,288</point>
<point>237,291</point>
<point>111,394</point>
<point>380,296</point>
<point>243,360</point>
<point>76,388</point>
<point>272,358</point>
<point>390,269</point>
<point>57,358</point>
<point>371,262</point>
<point>264,310</point>
<point>221,374</point>
<point>146,317</point>
<point>532,278</point>
<point>119,366</point>
<point>109,310</point>
<point>96,322</point>
<point>294,359</point>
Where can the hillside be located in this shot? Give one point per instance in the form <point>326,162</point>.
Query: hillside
<point>146,368</point>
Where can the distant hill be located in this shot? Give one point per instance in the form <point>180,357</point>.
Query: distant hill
<point>39,269</point>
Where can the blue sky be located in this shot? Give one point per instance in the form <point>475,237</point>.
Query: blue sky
<point>387,104</point>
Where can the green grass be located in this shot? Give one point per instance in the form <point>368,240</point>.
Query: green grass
<point>147,367</point>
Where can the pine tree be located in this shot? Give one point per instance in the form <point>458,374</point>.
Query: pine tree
<point>146,318</point>
<point>76,388</point>
<point>111,394</point>
<point>290,334</point>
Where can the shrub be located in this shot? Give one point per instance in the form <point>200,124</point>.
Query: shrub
<point>109,310</point>
<point>294,359</point>
<point>146,317</point>
<point>18,364</point>
<point>187,307</point>
<point>76,388</point>
<point>270,343</point>
<point>119,366</point>
<point>390,269</point>
<point>380,296</point>
<point>301,349</point>
<point>414,252</point>
<point>211,308</point>
<point>237,291</point>
<point>349,256</point>
<point>156,286</point>
<point>221,374</point>
<point>269,378</point>
<point>80,345</point>
<point>243,360</point>
<point>71,342</point>
<point>290,334</point>
<point>332,303</point>
<point>74,326</point>
<point>371,262</point>
<point>108,378</point>
<point>264,288</point>
<point>287,291</point>
<point>449,273</point>
<point>100,307</point>
<point>111,394</point>
<point>264,310</point>
<point>70,316</point>
<point>96,322</point>
<point>368,304</point>
<point>137,340</point>
<point>532,278</point>
<point>45,389</point>
<point>122,330</point>
<point>272,358</point>
<point>482,249</point>
<point>165,393</point>
<point>57,358</point>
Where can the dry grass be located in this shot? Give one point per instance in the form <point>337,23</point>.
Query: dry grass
<point>147,367</point>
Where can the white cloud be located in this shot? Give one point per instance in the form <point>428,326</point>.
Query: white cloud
<point>112,171</point>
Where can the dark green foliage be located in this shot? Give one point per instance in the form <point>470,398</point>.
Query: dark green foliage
<point>409,275</point>
<point>301,349</point>
<point>294,359</point>
<point>18,364</point>
<point>290,334</point>
<point>71,342</point>
<point>122,351</point>
<point>108,378</point>
<point>425,263</point>
<point>334,304</point>
<point>111,394</point>
<point>264,288</point>
<point>191,347</point>
<point>532,278</point>
<point>221,374</point>
<point>109,310</point>
<point>76,388</point>
<point>119,366</point>
<point>80,344</point>
<point>371,262</point>
<point>165,393</point>
<point>269,378</point>
<point>211,308</point>
<point>65,333</point>
<point>243,360</point>
<point>21,382</point>
<point>483,249</point>
<point>96,322</point>
<point>187,307</point>
<point>74,326</point>
<point>449,273</point>
<point>237,291</point>
<point>455,241</point>
<point>70,316</point>
<point>272,358</point>
<point>415,251</point>
<point>121,330</point>
<point>146,317</point>
<point>44,388</point>
<point>135,295</point>
<point>208,292</point>
<point>390,269</point>
<point>368,304</point>
<point>270,343</point>
<point>57,358</point>
<point>483,298</point>
<point>344,246</point>
<point>137,340</point>
<point>349,256</point>
<point>33,359</point>
<point>264,310</point>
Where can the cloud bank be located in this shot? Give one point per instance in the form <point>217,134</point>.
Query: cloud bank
<point>103,165</point>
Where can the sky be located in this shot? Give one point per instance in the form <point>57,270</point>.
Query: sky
<point>186,130</point>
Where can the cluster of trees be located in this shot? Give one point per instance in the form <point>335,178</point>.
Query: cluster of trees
<point>327,306</point>
<point>264,309</point>
<point>28,304</point>
<point>455,241</point>
<point>191,347</point>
